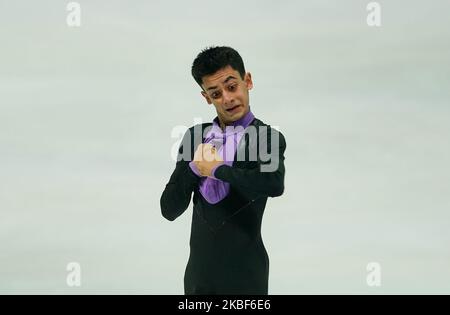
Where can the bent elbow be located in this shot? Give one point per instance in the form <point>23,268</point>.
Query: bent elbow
<point>166,211</point>
<point>278,187</point>
<point>168,216</point>
<point>277,191</point>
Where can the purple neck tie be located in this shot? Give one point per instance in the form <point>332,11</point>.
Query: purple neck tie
<point>226,143</point>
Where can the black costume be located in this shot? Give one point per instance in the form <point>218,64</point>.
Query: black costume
<point>227,254</point>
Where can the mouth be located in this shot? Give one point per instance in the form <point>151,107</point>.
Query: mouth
<point>233,109</point>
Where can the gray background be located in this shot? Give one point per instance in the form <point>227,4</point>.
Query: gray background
<point>86,116</point>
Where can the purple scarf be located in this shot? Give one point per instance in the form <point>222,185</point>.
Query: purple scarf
<point>226,143</point>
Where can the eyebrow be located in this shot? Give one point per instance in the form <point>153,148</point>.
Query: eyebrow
<point>226,80</point>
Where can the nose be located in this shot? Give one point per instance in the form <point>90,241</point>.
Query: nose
<point>227,98</point>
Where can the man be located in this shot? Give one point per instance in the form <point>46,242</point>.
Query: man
<point>227,254</point>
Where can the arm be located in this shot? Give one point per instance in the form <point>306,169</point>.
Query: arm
<point>253,183</point>
<point>177,194</point>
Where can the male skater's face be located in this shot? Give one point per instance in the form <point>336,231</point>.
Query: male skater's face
<point>228,92</point>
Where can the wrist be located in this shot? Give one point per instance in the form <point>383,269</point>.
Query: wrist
<point>213,171</point>
<point>194,169</point>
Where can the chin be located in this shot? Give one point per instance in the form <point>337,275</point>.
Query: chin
<point>237,116</point>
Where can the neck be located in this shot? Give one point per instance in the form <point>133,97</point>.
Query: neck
<point>223,124</point>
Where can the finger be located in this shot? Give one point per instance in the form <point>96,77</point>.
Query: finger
<point>198,153</point>
<point>207,147</point>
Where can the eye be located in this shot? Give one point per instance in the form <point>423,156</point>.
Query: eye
<point>215,95</point>
<point>232,87</point>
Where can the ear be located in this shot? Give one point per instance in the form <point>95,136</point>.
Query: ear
<point>248,80</point>
<point>208,100</point>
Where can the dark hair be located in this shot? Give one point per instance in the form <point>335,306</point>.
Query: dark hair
<point>212,59</point>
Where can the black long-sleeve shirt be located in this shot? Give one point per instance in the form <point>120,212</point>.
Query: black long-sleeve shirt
<point>227,254</point>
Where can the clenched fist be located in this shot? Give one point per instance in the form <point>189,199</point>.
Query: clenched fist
<point>206,158</point>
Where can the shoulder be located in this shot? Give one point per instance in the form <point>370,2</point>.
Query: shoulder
<point>200,126</point>
<point>268,131</point>
<point>194,135</point>
<point>198,132</point>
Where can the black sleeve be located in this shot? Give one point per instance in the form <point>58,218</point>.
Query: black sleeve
<point>253,183</point>
<point>177,194</point>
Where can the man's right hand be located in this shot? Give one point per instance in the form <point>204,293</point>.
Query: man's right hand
<point>206,158</point>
